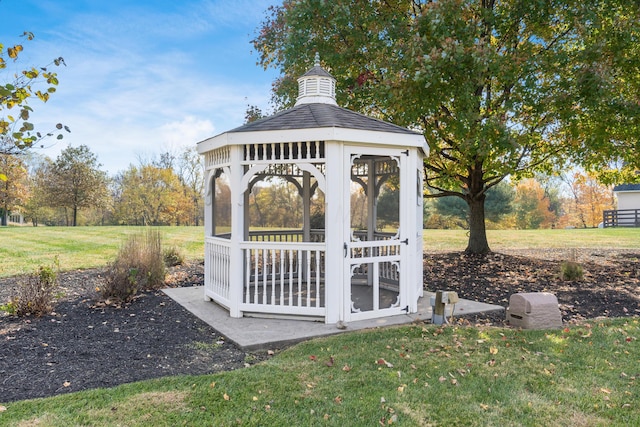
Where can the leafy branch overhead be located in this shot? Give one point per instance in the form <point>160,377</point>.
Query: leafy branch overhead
<point>498,89</point>
<point>17,132</point>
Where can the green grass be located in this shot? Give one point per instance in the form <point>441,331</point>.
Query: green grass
<point>611,238</point>
<point>411,376</point>
<point>24,249</point>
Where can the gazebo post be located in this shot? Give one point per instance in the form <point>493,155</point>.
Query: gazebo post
<point>236,258</point>
<point>335,234</point>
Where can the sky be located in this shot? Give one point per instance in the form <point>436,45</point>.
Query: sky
<point>142,77</point>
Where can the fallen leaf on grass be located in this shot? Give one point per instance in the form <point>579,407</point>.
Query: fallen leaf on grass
<point>484,407</point>
<point>226,397</point>
<point>384,362</point>
<point>3,408</point>
<point>493,350</point>
<point>346,368</point>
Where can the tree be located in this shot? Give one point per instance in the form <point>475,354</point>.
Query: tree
<point>532,207</point>
<point>150,195</point>
<point>13,190</point>
<point>75,181</point>
<point>499,88</point>
<point>589,198</point>
<point>16,131</point>
<point>190,170</point>
<point>499,203</point>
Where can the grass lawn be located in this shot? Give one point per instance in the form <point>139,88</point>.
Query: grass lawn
<point>23,249</point>
<point>415,375</point>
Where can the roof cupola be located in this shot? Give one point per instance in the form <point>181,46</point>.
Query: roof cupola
<point>316,86</point>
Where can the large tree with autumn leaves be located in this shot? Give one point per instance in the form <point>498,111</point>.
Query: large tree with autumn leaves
<point>499,88</point>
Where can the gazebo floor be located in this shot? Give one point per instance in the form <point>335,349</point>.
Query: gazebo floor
<point>266,333</point>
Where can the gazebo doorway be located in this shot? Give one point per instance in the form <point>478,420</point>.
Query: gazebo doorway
<point>373,246</point>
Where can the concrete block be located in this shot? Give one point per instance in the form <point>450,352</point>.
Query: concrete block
<point>534,310</point>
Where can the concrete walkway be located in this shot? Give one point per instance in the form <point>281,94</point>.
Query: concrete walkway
<point>253,333</point>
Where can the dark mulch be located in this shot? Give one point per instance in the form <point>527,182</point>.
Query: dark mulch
<point>86,344</point>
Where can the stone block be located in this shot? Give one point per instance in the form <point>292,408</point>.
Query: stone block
<point>534,310</point>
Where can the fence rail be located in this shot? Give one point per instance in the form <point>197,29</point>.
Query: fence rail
<point>621,218</point>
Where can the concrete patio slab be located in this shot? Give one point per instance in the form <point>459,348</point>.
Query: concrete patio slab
<point>256,333</point>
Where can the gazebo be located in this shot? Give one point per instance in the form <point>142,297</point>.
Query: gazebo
<point>349,247</point>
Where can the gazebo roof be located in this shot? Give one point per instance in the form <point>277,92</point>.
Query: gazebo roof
<point>317,117</point>
<point>320,115</point>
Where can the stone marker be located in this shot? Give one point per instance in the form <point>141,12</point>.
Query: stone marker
<point>534,310</point>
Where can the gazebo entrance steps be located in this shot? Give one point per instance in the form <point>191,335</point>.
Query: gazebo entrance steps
<point>253,333</point>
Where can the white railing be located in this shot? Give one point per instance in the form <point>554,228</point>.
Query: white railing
<point>217,270</point>
<point>316,236</point>
<point>281,274</point>
<point>284,278</point>
<point>384,252</point>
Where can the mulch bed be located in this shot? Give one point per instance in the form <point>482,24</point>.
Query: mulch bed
<point>88,344</point>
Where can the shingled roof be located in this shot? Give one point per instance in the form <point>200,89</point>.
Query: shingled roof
<point>627,187</point>
<point>306,116</point>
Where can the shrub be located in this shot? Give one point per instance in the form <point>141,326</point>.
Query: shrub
<point>138,266</point>
<point>173,256</point>
<point>35,296</point>
<point>571,270</point>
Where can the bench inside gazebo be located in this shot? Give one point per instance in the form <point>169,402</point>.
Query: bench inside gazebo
<point>349,246</point>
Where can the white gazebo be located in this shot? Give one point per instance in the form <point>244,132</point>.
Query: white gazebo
<point>350,248</point>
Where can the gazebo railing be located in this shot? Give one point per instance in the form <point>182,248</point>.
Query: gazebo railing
<point>282,274</point>
<point>284,278</point>
<point>217,270</point>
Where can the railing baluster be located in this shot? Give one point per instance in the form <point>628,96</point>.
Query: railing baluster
<point>264,276</point>
<point>308,276</point>
<point>299,270</point>
<point>247,278</point>
<point>290,277</point>
<point>273,277</point>
<point>281,278</point>
<point>317,278</point>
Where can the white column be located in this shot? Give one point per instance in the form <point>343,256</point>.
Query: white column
<point>335,232</point>
<point>236,269</point>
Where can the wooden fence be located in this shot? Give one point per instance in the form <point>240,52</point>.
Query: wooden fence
<point>621,218</point>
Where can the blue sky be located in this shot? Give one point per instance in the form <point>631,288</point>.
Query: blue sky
<point>143,76</point>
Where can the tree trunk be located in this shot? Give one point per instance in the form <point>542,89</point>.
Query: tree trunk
<point>478,243</point>
<point>75,216</point>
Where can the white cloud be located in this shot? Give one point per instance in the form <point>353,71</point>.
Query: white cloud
<point>143,81</point>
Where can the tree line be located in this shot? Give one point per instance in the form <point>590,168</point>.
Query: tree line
<point>571,200</point>
<point>73,190</point>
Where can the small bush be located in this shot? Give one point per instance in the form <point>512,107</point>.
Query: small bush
<point>37,294</point>
<point>139,266</point>
<point>173,256</point>
<point>571,270</point>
